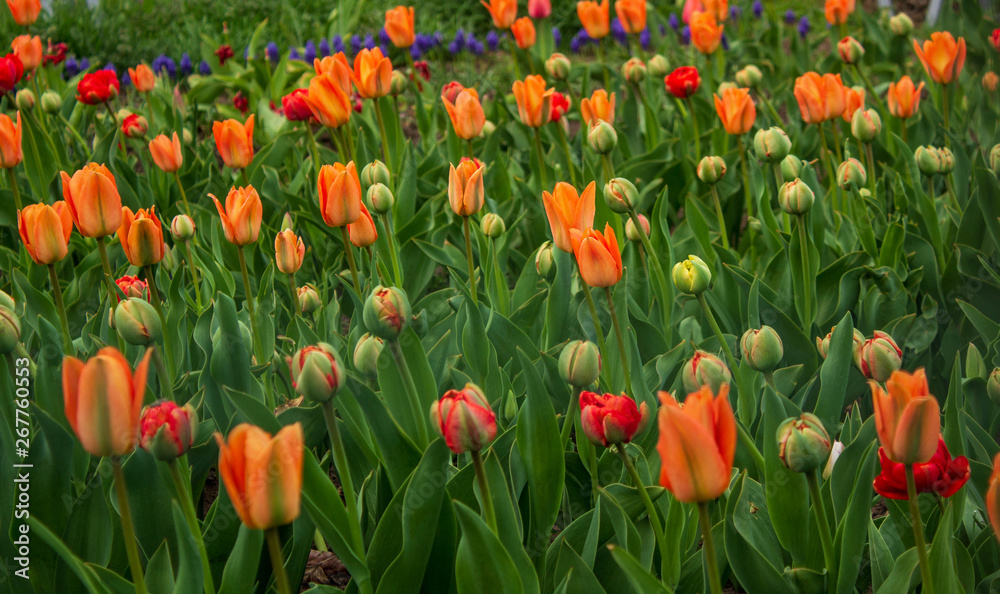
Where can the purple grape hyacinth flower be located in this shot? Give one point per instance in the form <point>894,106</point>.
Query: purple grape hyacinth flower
<point>556,36</point>
<point>204,69</point>
<point>338,44</point>
<point>618,32</point>
<point>493,40</point>
<point>673,21</point>
<point>686,35</point>
<point>324,48</point>
<point>369,42</point>
<point>383,36</point>
<point>758,9</point>
<point>789,17</point>
<point>804,27</point>
<point>735,12</point>
<point>271,51</point>
<point>111,67</point>
<point>186,66</point>
<point>310,52</point>
<point>645,39</point>
<point>126,80</point>
<point>356,43</point>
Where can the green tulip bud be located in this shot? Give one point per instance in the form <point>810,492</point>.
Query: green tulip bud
<point>51,102</point>
<point>850,50</point>
<point>995,160</point>
<point>632,233</point>
<point>10,330</point>
<point>366,354</point>
<point>308,300</point>
<point>928,160</point>
<point>387,312</point>
<point>993,386</point>
<point>379,198</point>
<point>803,443</point>
<point>749,76</point>
<point>580,363</point>
<point>705,369</point>
<point>823,345</point>
<point>25,100</point>
<point>602,137</point>
<point>711,169</point>
<point>866,125</point>
<point>620,195</point>
<point>947,160</point>
<point>901,24</point>
<point>692,276</point>
<point>137,322</point>
<point>398,83</point>
<point>791,168</point>
<point>762,349</point>
<point>545,261</point>
<point>182,228</point>
<point>7,301</point>
<point>492,225</point>
<point>634,71</point>
<point>880,357</point>
<point>558,66</point>
<point>851,175</point>
<point>658,66</point>
<point>488,128</point>
<point>375,173</point>
<point>771,145</point>
<point>287,224</point>
<point>796,197</point>
<point>726,85</point>
<point>317,373</point>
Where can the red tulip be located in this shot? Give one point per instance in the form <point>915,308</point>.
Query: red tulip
<point>11,71</point>
<point>683,82</point>
<point>941,474</point>
<point>98,87</point>
<point>610,419</point>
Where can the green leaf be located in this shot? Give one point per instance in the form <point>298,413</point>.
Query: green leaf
<point>81,569</point>
<point>482,565</point>
<point>190,576</point>
<point>834,373</point>
<point>641,580</point>
<point>240,572</point>
<point>786,491</point>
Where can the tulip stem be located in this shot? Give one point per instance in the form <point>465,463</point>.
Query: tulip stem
<point>114,116</point>
<point>944,113</point>
<point>723,232</point>
<point>819,509</point>
<point>769,379</point>
<point>165,384</point>
<point>666,295</point>
<point>652,124</point>
<point>13,188</point>
<point>569,155</point>
<point>609,168</point>
<point>570,418</point>
<point>541,159</point>
<point>154,294</point>
<point>344,474</point>
<point>61,308</point>
<point>386,154</point>
<point>807,280</point>
<point>349,252</point>
<point>871,168</point>
<point>825,156</point>
<point>187,505</point>
<point>484,491</point>
<point>472,268</point>
<point>194,275</point>
<point>621,341</point>
<point>694,129</point>
<point>513,57</point>
<point>748,198</point>
<point>708,548</point>
<point>184,198</point>
<point>313,148</point>
<point>601,62</point>
<point>411,389</point>
<point>396,272</point>
<point>128,531</point>
<point>654,517</point>
<point>468,149</point>
<point>837,149</point>
<point>779,180</point>
<point>255,328</point>
<point>593,315</point>
<point>918,530</point>
<point>295,294</point>
<point>106,264</point>
<point>277,561</point>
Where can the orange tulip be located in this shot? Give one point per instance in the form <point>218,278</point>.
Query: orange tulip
<point>235,142</point>
<point>718,8</point>
<point>632,14</point>
<point>167,152</point>
<point>362,231</point>
<point>288,251</point>
<point>337,67</point>
<point>820,98</point>
<point>339,194</point>
<point>854,99</point>
<point>595,18</point>
<point>10,142</point>
<point>262,474</point>
<point>466,113</point>
<point>993,497</point>
<point>93,200</point>
<point>908,418</point>
<point>45,231</point>
<point>102,399</point>
<point>534,101</point>
<point>567,210</point>
<point>706,32</point>
<point>503,12</point>
<point>465,187</point>
<point>141,236</point>
<point>736,110</point>
<point>28,49</point>
<point>143,78</point>
<point>597,255</point>
<point>697,444</point>
<point>599,107</point>
<point>328,102</point>
<point>241,216</point>
<point>25,12</point>
<point>837,11</point>
<point>399,26</point>
<point>372,73</point>
<point>524,32</point>
<point>904,98</point>
<point>941,56</point>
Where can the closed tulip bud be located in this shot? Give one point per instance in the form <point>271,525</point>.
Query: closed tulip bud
<point>634,71</point>
<point>762,349</point>
<point>142,78</point>
<point>465,419</point>
<point>850,50</point>
<point>835,451</point>
<point>93,200</point>
<point>597,256</point>
<point>928,160</point>
<point>25,100</point>
<point>166,152</point>
<point>492,225</point>
<point>234,142</point>
<point>611,420</point>
<point>287,224</point>
<point>379,198</point>
<point>995,159</point>
<point>901,24</point>
<point>135,126</point>
<point>308,300</point>
<point>705,369</point>
<point>795,197</point>
<point>907,418</point>
<point>772,145</point>
<point>317,373</point>
<point>632,233</point>
<point>10,330</point>
<point>658,66</point>
<point>692,276</point>
<point>749,76</point>
<point>137,322</point>
<point>45,231</point>
<point>133,286</point>
<point>167,431</point>
<point>339,194</point>
<point>823,345</point>
<point>398,83</point>
<point>509,406</point>
<point>602,137</point>
<point>803,443</point>
<point>989,81</point>
<point>25,12</point>
<point>545,262</point>
<point>488,128</point>
<point>558,66</point>
<point>791,168</point>
<point>288,251</point>
<point>880,357</point>
<point>620,195</point>
<point>711,169</point>
<point>375,173</point>
<point>465,187</point>
<point>366,354</point>
<point>7,301</point>
<point>387,312</point>
<point>182,228</point>
<point>851,175</point>
<point>993,386</point>
<point>947,160</point>
<point>866,125</point>
<point>726,85</point>
<point>51,102</point>
<point>580,363</point>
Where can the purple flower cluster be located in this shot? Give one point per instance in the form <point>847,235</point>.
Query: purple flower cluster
<point>465,41</point>
<point>758,9</point>
<point>185,64</point>
<point>580,40</point>
<point>789,17</point>
<point>618,32</point>
<point>164,64</point>
<point>423,43</point>
<point>804,27</point>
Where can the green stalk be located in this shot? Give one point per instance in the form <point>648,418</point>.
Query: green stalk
<point>109,282</point>
<point>569,155</point>
<point>128,531</point>
<point>419,415</point>
<point>707,547</point>
<point>277,561</point>
<point>468,149</point>
<point>723,232</point>
<point>349,251</point>
<point>652,125</point>
<point>748,199</point>
<point>61,307</point>
<point>604,69</point>
<point>621,341</point>
<point>14,189</point>
<point>871,168</point>
<point>187,505</point>
<point>666,294</point>
<point>194,275</point>
<point>295,294</point>
<point>697,134</point>
<point>255,327</point>
<point>346,482</point>
<point>180,186</point>
<point>593,316</point>
<point>541,159</point>
<point>513,58</point>
<point>313,149</point>
<point>165,384</point>
<point>396,271</point>
<point>779,180</point>
<point>149,108</point>
<point>944,113</point>
<point>154,294</point>
<point>572,410</point>
<point>824,530</point>
<point>918,531</point>
<point>807,280</point>
<point>825,156</point>
<point>837,150</point>
<point>769,379</point>
<point>484,491</point>
<point>472,268</point>
<point>386,153</point>
<point>654,517</point>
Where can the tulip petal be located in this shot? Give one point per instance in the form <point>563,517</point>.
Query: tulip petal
<point>690,458</point>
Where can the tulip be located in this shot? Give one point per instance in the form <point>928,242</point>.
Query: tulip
<point>580,363</point>
<point>866,125</point>
<point>135,126</point>
<point>29,50</point>
<point>705,369</point>
<point>837,11</point>
<point>749,76</point>
<point>634,71</point>
<point>854,100</point>
<point>558,66</point>
<point>182,228</point>
<point>600,106</point>
<point>11,154</point>
<point>337,68</point>
<point>851,175</point>
<point>796,197</point>
<point>901,24</point>
<point>296,107</point>
<point>375,173</point>
<point>11,71</point>
<point>25,12</point>
<point>317,373</point>
<point>93,200</point>
<point>990,80</point>
<point>133,286</point>
<point>621,195</point>
<point>772,145</point>
<point>167,431</point>
<point>803,443</point>
<point>234,142</point>
<point>928,160</point>
<point>904,98</point>
<point>465,419</point>
<point>736,110</point>
<point>711,169</point>
<point>141,236</point>
<point>372,74</point>
<point>632,233</point>
<point>399,26</point>
<point>762,348</point>
<point>288,251</point>
<point>166,152</point>
<point>241,215</point>
<point>10,330</point>
<point>466,113</point>
<point>308,299</point>
<point>523,31</point>
<point>697,444</point>
<point>327,101</point>
<point>465,187</point>
<point>386,312</point>
<point>102,399</point>
<point>610,419</point>
<point>366,354</point>
<point>379,198</point>
<point>632,15</point>
<point>362,232</point>
<point>692,276</point>
<point>534,101</point>
<point>98,87</point>
<point>143,78</point>
<point>262,474</point>
<point>339,194</point>
<point>706,33</point>
<point>879,357</point>
<point>850,50</point>
<point>658,66</point>
<point>594,17</point>
<point>719,8</point>
<point>567,210</point>
<point>941,475</point>
<point>993,497</point>
<point>539,9</point>
<point>820,98</point>
<point>791,168</point>
<point>602,137</point>
<point>941,56</point>
<point>25,100</point>
<point>503,12</point>
<point>45,232</point>
<point>137,322</point>
<point>907,418</point>
<point>545,262</point>
<point>597,255</point>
